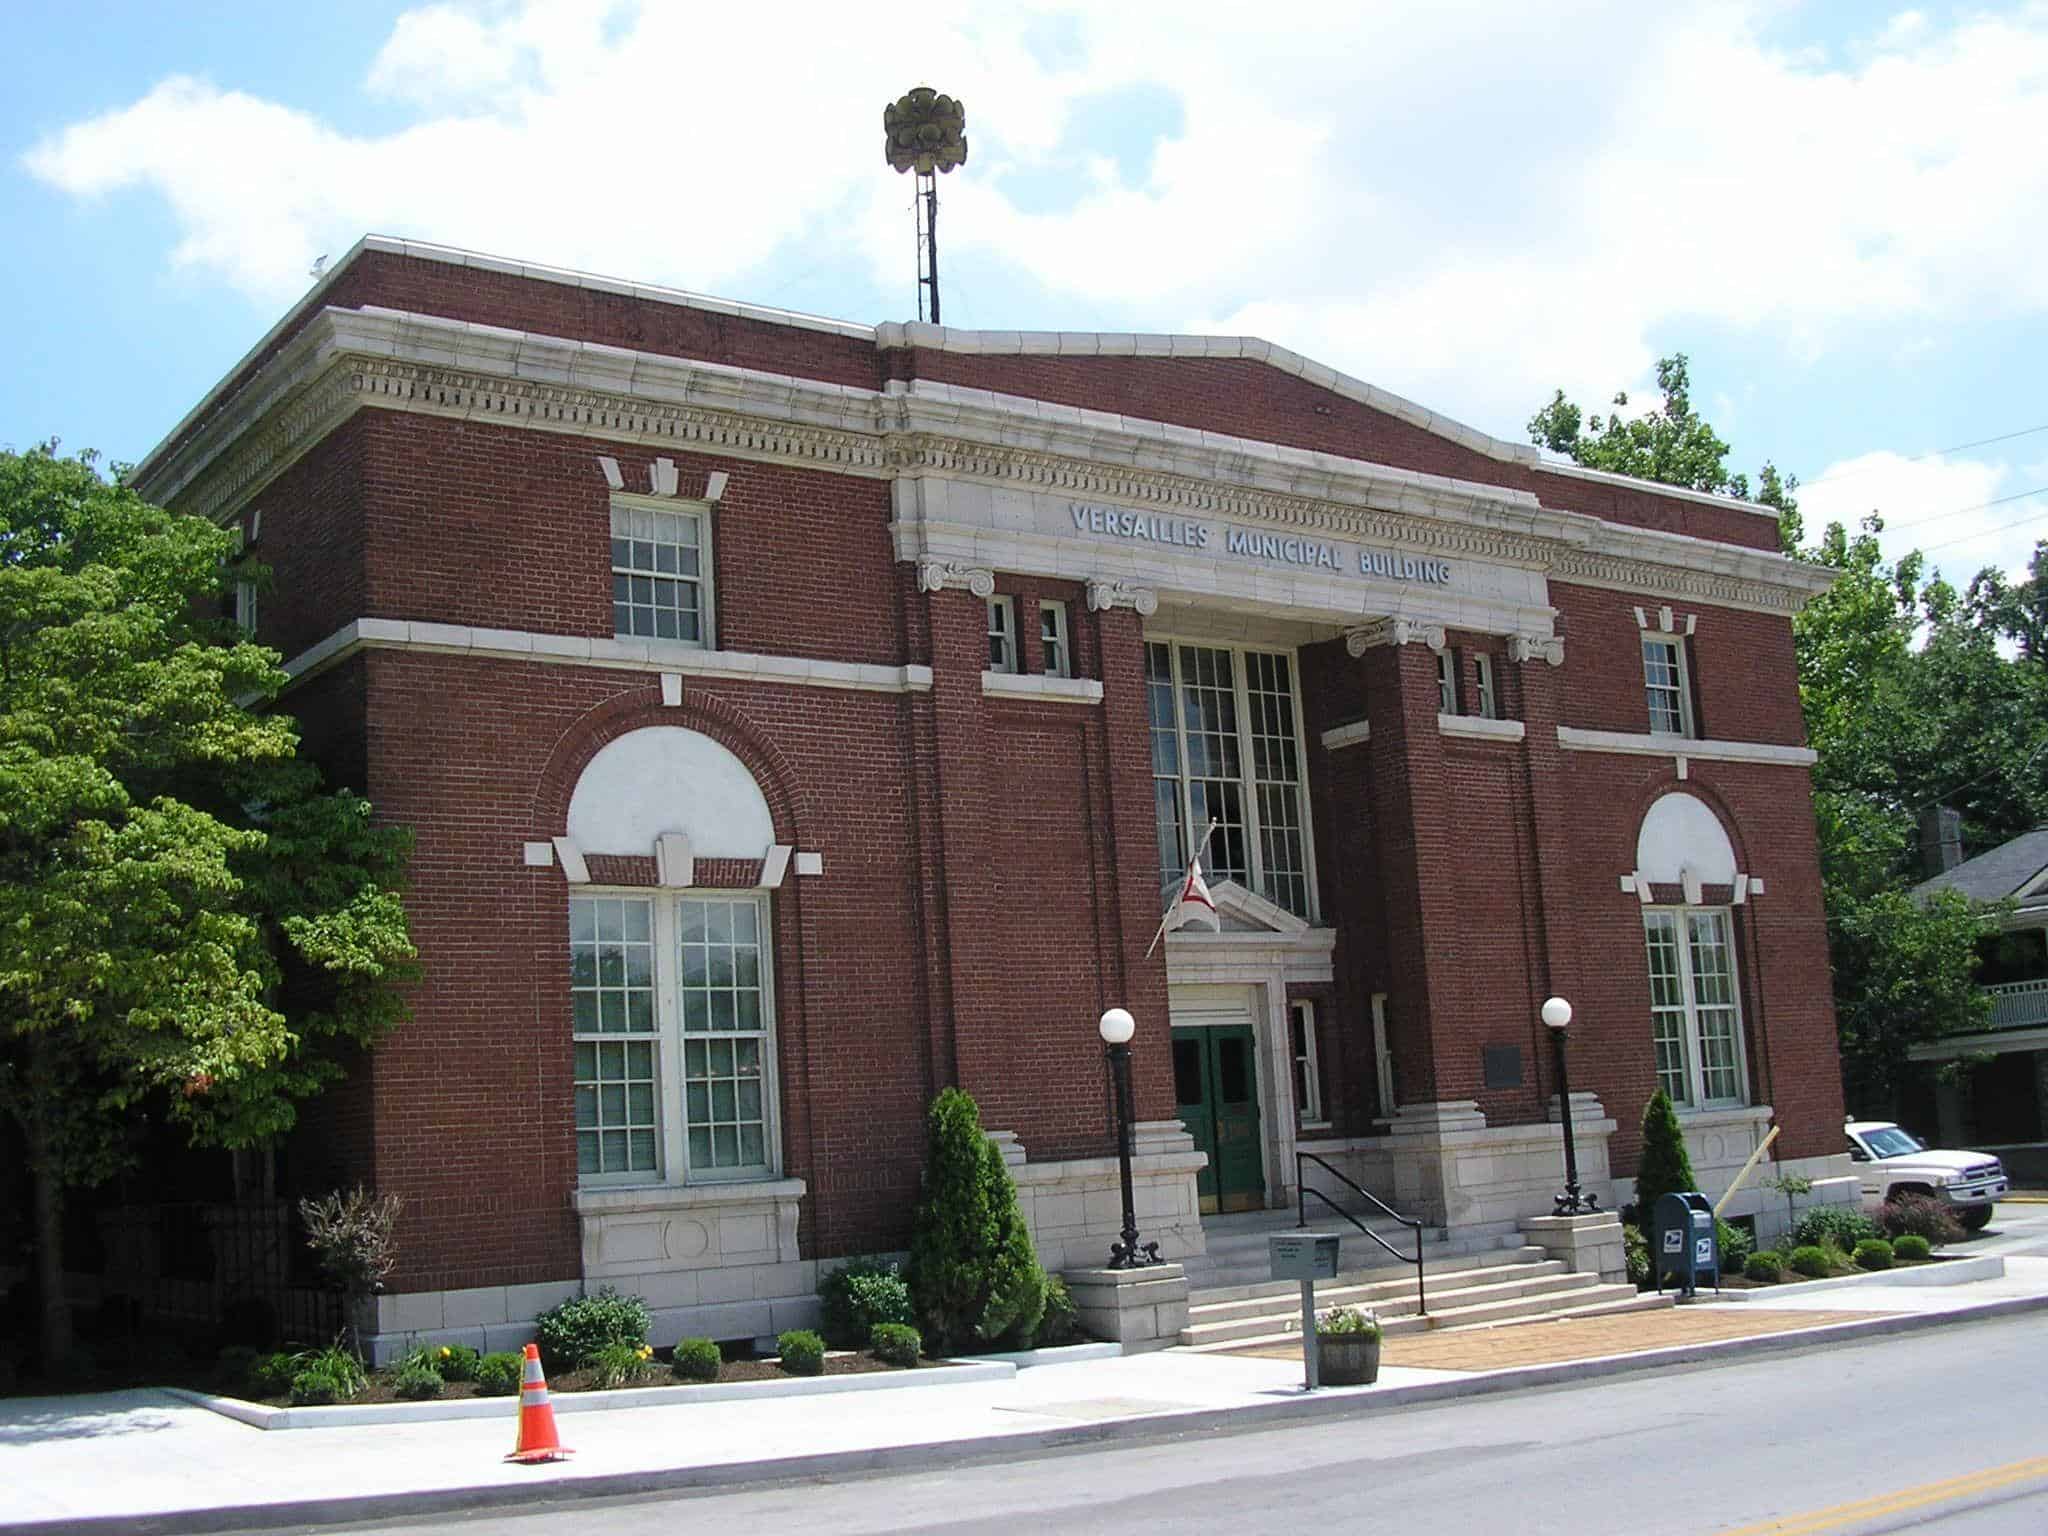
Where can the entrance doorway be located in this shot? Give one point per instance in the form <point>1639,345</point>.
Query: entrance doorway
<point>1216,1093</point>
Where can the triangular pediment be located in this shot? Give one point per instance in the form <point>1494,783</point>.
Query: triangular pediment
<point>1245,911</point>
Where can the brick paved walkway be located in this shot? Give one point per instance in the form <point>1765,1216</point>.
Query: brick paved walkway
<point>1589,1338</point>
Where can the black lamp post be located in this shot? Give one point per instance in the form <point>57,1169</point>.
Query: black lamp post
<point>1557,1015</point>
<point>1116,1028</point>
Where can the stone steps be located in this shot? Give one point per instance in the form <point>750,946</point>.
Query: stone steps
<point>1477,1295</point>
<point>1394,1281</point>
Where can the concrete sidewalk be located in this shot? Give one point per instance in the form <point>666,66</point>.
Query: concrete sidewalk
<point>147,1462</point>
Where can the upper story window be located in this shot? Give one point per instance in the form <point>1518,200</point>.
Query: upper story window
<point>1486,696</point>
<point>1226,747</point>
<point>673,1018</point>
<point>1695,1017</point>
<point>661,571</point>
<point>1446,682</point>
<point>1665,684</point>
<point>1002,633</point>
<point>1052,639</point>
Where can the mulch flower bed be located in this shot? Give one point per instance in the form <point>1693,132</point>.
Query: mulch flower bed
<point>383,1385</point>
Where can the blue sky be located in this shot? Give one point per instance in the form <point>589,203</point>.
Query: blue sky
<point>1836,209</point>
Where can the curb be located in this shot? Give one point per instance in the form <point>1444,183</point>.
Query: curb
<point>1331,1403</point>
<point>1982,1266</point>
<point>349,1415</point>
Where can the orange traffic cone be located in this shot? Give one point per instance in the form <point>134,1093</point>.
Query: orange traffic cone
<point>537,1438</point>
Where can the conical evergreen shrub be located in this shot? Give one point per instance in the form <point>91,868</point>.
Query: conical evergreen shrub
<point>1663,1167</point>
<point>974,1275</point>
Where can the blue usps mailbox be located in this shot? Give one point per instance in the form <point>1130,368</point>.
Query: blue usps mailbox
<point>1307,1257</point>
<point>1684,1243</point>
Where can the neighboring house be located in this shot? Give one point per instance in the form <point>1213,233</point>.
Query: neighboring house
<point>2002,1102</point>
<point>796,717</point>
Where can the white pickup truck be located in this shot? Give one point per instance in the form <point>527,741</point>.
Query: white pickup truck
<point>1894,1162</point>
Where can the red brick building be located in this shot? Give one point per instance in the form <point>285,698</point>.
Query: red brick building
<point>796,717</point>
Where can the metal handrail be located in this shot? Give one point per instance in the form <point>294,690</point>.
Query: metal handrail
<point>1302,1192</point>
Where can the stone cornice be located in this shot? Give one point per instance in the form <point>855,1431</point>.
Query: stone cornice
<point>347,360</point>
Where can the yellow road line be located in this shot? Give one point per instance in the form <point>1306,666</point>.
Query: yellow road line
<point>1899,1500</point>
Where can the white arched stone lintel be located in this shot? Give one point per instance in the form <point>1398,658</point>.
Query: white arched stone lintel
<point>666,779</point>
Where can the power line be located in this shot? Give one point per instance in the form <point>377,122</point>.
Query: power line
<point>1985,533</point>
<point>1977,506</point>
<point>1932,453</point>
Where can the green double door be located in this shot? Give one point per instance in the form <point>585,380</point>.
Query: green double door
<point>1215,1084</point>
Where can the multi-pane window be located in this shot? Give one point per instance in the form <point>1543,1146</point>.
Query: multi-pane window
<point>1052,638</point>
<point>1226,747</point>
<point>1446,683</point>
<point>1308,1077</point>
<point>1665,684</point>
<point>672,1015</point>
<point>1695,1019</point>
<point>660,573</point>
<point>1482,676</point>
<point>1002,634</point>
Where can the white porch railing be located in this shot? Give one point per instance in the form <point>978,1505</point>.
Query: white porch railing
<point>2019,1004</point>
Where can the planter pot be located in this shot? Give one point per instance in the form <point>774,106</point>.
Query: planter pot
<point>1347,1359</point>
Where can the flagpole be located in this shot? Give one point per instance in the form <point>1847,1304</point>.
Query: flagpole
<point>1160,932</point>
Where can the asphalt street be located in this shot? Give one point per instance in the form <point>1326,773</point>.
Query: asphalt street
<point>1943,1432</point>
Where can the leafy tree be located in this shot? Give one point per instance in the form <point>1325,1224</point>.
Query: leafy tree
<point>974,1275</point>
<point>1664,1167</point>
<point>189,924</point>
<point>1909,703</point>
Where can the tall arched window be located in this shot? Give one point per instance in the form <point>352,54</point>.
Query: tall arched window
<point>1695,1000</point>
<point>672,1001</point>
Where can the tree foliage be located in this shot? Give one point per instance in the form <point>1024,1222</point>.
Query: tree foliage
<point>1911,700</point>
<point>189,923</point>
<point>974,1275</point>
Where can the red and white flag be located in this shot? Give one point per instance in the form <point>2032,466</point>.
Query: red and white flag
<point>1192,904</point>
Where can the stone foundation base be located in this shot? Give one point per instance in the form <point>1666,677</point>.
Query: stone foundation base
<point>1141,1309</point>
<point>1587,1245</point>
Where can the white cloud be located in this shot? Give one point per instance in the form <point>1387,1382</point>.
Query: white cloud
<point>1465,202</point>
<point>1961,512</point>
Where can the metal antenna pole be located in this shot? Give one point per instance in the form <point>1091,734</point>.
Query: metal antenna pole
<point>931,239</point>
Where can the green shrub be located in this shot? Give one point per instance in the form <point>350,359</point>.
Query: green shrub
<point>1635,1252</point>
<point>1764,1265</point>
<point>1919,1216</point>
<point>340,1362</point>
<point>974,1276</point>
<point>456,1362</point>
<point>858,1295</point>
<point>1912,1248</point>
<point>897,1343</point>
<point>1061,1321</point>
<point>418,1381</point>
<point>1736,1246</point>
<point>697,1360</point>
<point>802,1352</point>
<point>619,1365</point>
<point>316,1387</point>
<point>1873,1253</point>
<point>571,1334</point>
<point>1662,1167</point>
<point>271,1375</point>
<point>1813,1261</point>
<point>499,1374</point>
<point>1837,1226</point>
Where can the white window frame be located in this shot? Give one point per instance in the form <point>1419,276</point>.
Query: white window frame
<point>707,604</point>
<point>1687,1011</point>
<point>671,1040</point>
<point>245,591</point>
<point>1682,667</point>
<point>1308,1070</point>
<point>1002,626</point>
<point>1248,784</point>
<point>1447,681</point>
<point>1488,700</point>
<point>1059,658</point>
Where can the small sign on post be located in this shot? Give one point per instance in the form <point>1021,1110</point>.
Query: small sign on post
<point>1307,1257</point>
